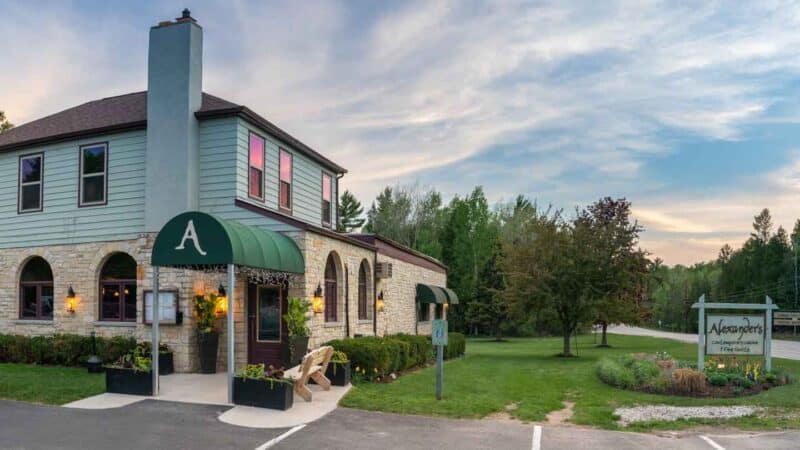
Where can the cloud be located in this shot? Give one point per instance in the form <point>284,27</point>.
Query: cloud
<point>564,101</point>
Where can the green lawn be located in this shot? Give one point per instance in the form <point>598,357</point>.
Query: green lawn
<point>48,384</point>
<point>526,372</point>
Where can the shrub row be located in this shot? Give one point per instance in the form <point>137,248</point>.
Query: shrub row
<point>456,345</point>
<point>380,356</point>
<point>61,349</point>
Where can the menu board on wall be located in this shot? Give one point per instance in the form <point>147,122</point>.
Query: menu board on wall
<point>167,305</point>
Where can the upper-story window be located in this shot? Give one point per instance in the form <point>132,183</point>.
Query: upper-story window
<point>256,174</point>
<point>326,199</point>
<point>285,193</point>
<point>30,183</point>
<point>93,186</point>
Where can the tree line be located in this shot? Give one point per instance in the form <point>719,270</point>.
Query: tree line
<point>764,265</point>
<point>519,268</point>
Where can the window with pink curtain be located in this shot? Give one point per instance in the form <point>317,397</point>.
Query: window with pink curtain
<point>326,199</point>
<point>256,174</point>
<point>285,194</point>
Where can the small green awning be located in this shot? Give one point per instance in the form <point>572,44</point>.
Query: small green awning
<point>427,293</point>
<point>197,239</point>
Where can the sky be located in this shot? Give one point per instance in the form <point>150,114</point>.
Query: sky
<point>688,110</point>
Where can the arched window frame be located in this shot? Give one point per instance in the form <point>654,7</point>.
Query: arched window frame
<point>121,292</point>
<point>331,289</point>
<point>41,289</point>
<point>363,285</point>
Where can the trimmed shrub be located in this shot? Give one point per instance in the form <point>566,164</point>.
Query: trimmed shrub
<point>718,380</point>
<point>61,349</point>
<point>421,348</point>
<point>456,345</point>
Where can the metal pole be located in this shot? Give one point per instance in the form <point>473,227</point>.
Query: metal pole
<point>439,363</point>
<point>701,333</point>
<point>231,354</point>
<point>794,244</point>
<point>155,322</point>
<point>768,340</point>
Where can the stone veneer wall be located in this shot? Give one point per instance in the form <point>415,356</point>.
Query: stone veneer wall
<point>316,249</point>
<point>399,292</point>
<point>79,266</point>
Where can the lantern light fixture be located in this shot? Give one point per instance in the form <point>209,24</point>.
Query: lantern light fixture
<point>222,300</point>
<point>316,299</point>
<point>379,304</point>
<point>71,300</point>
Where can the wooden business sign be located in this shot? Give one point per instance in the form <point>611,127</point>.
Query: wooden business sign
<point>735,334</point>
<point>786,318</point>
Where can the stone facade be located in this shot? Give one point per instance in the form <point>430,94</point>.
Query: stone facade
<point>80,265</point>
<point>399,292</point>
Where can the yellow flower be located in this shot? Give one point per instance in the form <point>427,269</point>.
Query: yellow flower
<point>358,368</point>
<point>376,370</point>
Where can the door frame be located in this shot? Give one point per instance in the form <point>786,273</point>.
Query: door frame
<point>251,325</point>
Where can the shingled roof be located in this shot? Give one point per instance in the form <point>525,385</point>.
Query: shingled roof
<point>129,112</point>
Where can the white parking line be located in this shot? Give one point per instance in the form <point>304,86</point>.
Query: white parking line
<point>711,442</point>
<point>537,438</point>
<point>271,443</point>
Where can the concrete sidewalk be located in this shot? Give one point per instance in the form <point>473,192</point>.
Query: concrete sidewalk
<point>780,349</point>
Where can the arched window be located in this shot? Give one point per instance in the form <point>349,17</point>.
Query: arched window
<point>363,306</point>
<point>331,291</point>
<point>118,288</point>
<point>36,290</point>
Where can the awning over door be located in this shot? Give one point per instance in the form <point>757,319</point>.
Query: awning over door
<point>198,239</point>
<point>427,293</point>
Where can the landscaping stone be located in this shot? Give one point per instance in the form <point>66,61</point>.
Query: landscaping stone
<point>672,413</point>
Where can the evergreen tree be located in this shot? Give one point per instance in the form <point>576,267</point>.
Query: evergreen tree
<point>489,310</point>
<point>350,211</point>
<point>5,125</point>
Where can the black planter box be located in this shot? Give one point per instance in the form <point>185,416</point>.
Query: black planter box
<point>129,381</point>
<point>165,364</point>
<point>262,393</point>
<point>338,373</point>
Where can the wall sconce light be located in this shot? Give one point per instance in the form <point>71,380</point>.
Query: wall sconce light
<point>72,299</point>
<point>222,301</point>
<point>316,300</point>
<point>379,302</point>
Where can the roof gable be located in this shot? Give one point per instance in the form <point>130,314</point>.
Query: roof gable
<point>127,112</point>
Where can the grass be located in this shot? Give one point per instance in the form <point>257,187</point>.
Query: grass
<point>526,372</point>
<point>48,384</point>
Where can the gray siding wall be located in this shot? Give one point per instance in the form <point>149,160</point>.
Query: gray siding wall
<point>219,175</point>
<point>306,178</point>
<point>61,221</point>
<point>223,157</point>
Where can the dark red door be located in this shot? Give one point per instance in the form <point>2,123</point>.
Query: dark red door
<point>266,330</point>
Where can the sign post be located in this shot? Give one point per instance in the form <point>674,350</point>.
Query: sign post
<point>439,338</point>
<point>735,334</point>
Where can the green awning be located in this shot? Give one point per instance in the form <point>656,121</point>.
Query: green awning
<point>197,239</point>
<point>427,293</point>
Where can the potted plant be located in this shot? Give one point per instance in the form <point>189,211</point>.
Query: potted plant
<point>263,388</point>
<point>166,363</point>
<point>131,374</point>
<point>296,319</point>
<point>339,369</point>
<point>205,314</point>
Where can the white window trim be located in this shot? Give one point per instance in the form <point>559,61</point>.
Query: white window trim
<point>262,169</point>
<point>104,174</point>
<point>20,184</point>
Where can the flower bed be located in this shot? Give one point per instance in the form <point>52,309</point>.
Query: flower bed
<point>660,374</point>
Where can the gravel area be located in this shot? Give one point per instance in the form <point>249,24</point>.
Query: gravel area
<point>670,413</point>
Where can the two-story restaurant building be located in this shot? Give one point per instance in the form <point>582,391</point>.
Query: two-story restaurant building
<point>84,192</point>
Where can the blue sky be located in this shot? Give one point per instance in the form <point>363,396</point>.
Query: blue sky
<point>688,110</point>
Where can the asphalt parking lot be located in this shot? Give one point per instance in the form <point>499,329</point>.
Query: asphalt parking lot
<point>151,424</point>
